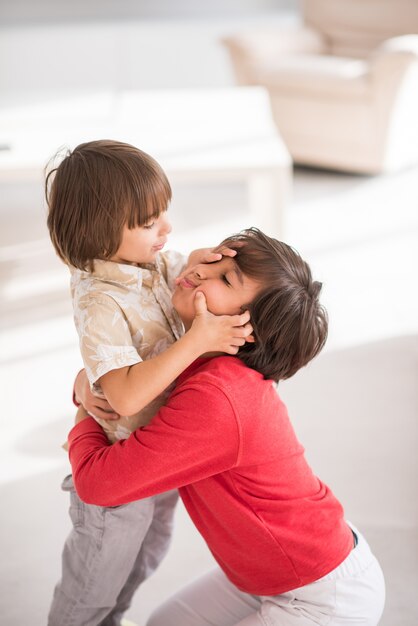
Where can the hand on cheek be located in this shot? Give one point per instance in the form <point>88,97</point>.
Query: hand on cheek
<point>219,333</point>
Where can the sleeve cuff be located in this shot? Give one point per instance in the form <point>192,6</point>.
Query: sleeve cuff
<point>86,426</point>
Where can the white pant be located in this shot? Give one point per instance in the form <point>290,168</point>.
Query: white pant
<point>351,595</point>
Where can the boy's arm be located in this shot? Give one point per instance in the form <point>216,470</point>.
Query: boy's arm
<point>130,389</point>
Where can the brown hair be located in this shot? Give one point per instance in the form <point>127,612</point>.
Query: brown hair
<point>290,325</point>
<point>95,191</point>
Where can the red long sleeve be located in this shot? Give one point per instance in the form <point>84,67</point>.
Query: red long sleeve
<point>225,440</point>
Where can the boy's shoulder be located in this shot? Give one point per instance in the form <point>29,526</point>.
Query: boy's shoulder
<point>172,258</point>
<point>171,263</point>
<point>107,272</point>
<point>108,287</point>
<point>108,279</point>
<point>227,372</point>
<point>115,292</point>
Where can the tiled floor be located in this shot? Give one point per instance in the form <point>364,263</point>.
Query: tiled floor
<point>354,408</point>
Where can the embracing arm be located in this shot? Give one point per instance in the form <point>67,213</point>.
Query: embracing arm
<point>180,446</point>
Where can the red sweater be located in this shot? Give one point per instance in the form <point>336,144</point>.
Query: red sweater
<point>225,440</point>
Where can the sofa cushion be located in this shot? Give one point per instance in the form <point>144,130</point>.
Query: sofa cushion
<point>355,27</point>
<point>317,74</point>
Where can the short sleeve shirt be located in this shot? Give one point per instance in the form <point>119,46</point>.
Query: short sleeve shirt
<point>123,315</point>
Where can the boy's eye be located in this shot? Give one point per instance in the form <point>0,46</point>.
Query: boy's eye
<point>148,226</point>
<point>226,281</point>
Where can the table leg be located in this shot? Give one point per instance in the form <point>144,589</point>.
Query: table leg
<point>268,194</point>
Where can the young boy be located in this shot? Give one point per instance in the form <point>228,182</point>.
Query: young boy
<point>285,554</point>
<point>108,221</point>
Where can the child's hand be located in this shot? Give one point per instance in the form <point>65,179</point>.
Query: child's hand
<point>209,255</point>
<point>94,405</point>
<point>220,333</point>
<point>205,255</point>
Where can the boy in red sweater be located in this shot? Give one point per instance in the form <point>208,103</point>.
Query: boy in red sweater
<point>286,555</point>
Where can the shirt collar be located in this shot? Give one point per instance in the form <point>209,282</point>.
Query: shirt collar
<point>127,275</point>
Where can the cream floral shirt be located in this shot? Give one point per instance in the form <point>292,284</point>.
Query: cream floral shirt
<point>123,315</point>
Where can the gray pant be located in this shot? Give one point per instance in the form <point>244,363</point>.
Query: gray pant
<point>107,555</point>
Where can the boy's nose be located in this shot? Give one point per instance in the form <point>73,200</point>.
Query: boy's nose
<point>200,272</point>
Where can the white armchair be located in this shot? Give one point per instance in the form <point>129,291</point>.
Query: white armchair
<point>343,86</point>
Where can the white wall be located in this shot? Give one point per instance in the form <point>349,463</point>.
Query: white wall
<point>50,10</point>
<point>37,57</point>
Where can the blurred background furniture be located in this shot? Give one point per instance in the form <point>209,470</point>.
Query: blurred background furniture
<point>343,85</point>
<point>198,136</point>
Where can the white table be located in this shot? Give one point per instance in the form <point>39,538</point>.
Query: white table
<point>196,135</point>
